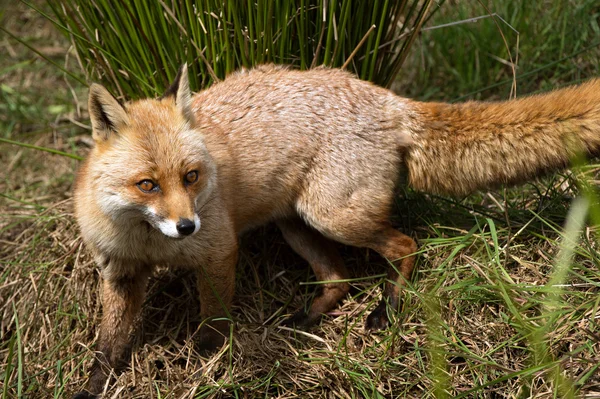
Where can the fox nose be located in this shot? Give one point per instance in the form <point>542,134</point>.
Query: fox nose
<point>185,226</point>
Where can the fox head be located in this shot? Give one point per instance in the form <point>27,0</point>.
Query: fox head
<point>149,164</point>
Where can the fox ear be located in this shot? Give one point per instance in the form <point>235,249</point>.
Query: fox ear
<point>180,91</point>
<point>106,113</point>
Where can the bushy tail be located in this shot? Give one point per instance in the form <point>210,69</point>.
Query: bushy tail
<point>465,147</point>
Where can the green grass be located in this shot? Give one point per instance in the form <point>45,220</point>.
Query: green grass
<point>551,43</point>
<point>371,38</point>
<point>504,303</point>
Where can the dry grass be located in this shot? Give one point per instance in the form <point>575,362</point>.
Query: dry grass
<point>468,327</point>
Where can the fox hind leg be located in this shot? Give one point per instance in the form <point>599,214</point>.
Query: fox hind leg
<point>327,264</point>
<point>362,220</point>
<point>399,250</point>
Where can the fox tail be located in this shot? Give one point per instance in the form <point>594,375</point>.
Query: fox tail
<point>460,148</point>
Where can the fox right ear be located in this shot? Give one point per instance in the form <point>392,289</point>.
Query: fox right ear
<point>106,113</point>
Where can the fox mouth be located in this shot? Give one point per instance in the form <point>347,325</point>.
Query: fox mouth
<point>180,238</point>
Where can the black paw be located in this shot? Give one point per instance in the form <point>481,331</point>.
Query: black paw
<point>211,340</point>
<point>378,319</point>
<point>300,320</point>
<point>84,395</point>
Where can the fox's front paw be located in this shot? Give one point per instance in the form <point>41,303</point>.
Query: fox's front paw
<point>378,319</point>
<point>84,395</point>
<point>212,337</point>
<point>301,320</point>
<point>297,320</point>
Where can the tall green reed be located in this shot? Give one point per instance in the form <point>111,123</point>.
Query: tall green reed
<point>136,46</point>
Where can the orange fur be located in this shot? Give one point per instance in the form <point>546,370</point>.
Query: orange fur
<point>461,148</point>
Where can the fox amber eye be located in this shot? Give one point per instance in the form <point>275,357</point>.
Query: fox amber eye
<point>191,177</point>
<point>147,186</point>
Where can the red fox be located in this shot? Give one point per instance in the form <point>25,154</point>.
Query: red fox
<point>175,180</point>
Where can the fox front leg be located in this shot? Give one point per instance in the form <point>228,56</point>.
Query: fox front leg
<point>216,283</point>
<point>122,298</point>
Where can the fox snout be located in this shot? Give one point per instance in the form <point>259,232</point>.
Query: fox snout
<point>175,228</point>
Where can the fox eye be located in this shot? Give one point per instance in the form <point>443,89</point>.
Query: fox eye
<point>147,185</point>
<point>191,177</point>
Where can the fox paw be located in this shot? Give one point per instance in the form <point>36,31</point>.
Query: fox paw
<point>84,395</point>
<point>378,319</point>
<point>211,339</point>
<point>300,320</point>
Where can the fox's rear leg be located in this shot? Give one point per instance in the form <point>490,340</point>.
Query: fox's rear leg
<point>363,221</point>
<point>398,249</point>
<point>327,264</point>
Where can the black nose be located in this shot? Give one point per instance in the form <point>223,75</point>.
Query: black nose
<point>185,226</point>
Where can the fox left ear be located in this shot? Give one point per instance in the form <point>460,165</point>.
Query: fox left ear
<point>180,90</point>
